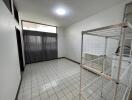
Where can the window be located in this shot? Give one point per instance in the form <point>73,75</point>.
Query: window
<point>38,27</point>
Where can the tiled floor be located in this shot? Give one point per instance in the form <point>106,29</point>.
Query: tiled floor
<point>53,80</point>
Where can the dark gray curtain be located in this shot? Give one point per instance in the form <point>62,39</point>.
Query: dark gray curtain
<point>39,46</point>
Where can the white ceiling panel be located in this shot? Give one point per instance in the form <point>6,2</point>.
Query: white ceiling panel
<point>43,10</point>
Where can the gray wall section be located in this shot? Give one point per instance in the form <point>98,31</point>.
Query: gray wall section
<point>9,61</point>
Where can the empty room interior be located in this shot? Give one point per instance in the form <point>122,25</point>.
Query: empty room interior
<point>65,49</point>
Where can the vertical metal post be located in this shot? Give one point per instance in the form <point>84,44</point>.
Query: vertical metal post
<point>81,67</point>
<point>120,61</point>
<point>129,76</point>
<point>104,63</point>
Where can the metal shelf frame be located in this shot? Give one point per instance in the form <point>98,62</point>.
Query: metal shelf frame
<point>122,29</point>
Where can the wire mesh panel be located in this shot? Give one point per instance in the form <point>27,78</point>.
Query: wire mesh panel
<point>98,53</point>
<point>102,89</point>
<point>86,77</point>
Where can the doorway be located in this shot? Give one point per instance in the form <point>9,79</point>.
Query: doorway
<point>39,46</point>
<point>40,42</point>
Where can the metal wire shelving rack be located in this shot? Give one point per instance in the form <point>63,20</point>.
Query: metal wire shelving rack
<point>111,65</point>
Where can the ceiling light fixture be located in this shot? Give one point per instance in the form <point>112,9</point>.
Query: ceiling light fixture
<point>61,11</point>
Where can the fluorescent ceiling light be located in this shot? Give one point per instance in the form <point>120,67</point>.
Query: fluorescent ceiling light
<point>61,11</point>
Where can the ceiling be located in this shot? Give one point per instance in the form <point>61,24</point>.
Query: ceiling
<point>42,10</point>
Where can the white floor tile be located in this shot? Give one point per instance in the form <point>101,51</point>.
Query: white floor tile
<point>52,80</point>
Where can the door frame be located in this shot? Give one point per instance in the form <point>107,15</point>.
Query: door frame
<point>19,46</point>
<point>47,32</point>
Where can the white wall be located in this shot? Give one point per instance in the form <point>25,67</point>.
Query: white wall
<point>112,45</point>
<point>61,49</point>
<point>9,62</point>
<point>36,18</point>
<point>72,33</point>
<point>91,46</point>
